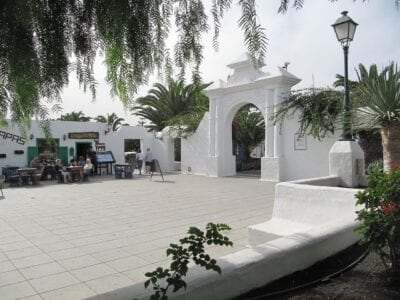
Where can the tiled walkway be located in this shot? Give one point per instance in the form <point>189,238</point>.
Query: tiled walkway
<point>75,241</point>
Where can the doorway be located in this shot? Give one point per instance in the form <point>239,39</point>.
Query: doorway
<point>82,149</point>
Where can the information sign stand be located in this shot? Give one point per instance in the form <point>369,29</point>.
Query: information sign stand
<point>155,167</point>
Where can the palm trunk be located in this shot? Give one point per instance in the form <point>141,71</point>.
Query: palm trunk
<point>390,134</point>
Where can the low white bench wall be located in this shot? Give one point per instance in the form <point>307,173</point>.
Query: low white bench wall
<point>304,204</point>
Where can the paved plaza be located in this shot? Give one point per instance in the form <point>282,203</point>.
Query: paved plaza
<point>74,241</point>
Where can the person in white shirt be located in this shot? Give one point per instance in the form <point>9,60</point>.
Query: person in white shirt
<point>148,160</point>
<point>140,157</point>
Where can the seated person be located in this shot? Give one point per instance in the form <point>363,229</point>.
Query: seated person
<point>36,163</point>
<point>73,162</point>
<point>81,161</point>
<point>87,169</point>
<point>46,168</point>
<point>59,168</point>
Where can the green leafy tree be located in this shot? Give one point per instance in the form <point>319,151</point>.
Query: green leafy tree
<point>38,39</point>
<point>248,128</point>
<point>191,247</point>
<point>75,116</point>
<point>111,119</point>
<point>176,104</point>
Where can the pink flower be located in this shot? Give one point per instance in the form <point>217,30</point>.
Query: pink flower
<point>395,165</point>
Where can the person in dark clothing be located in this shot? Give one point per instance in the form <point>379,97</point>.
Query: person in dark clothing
<point>93,158</point>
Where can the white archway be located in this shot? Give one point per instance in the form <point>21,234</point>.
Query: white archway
<point>247,85</point>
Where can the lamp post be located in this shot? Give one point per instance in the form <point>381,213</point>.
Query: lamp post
<point>345,28</point>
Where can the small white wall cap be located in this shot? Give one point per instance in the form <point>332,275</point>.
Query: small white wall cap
<point>218,84</point>
<point>281,72</point>
<point>241,61</point>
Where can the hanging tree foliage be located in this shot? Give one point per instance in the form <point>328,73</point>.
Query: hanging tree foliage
<point>42,41</point>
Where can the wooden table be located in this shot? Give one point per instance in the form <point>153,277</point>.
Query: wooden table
<point>29,173</point>
<point>76,171</point>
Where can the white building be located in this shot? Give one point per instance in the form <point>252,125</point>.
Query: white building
<point>72,139</point>
<point>287,156</point>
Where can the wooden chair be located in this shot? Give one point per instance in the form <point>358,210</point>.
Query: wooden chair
<point>12,177</point>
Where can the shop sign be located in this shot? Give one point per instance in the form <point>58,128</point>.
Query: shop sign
<point>83,135</point>
<point>13,137</point>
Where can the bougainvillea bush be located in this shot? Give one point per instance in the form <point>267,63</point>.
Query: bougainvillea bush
<point>380,217</point>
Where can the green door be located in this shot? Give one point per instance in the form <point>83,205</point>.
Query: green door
<point>63,155</point>
<point>32,152</point>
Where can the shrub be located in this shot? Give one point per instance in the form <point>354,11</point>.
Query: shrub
<point>375,165</point>
<point>190,248</point>
<point>380,217</point>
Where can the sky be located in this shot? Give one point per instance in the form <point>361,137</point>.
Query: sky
<point>304,38</point>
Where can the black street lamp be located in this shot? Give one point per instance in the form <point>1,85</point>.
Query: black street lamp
<point>345,28</point>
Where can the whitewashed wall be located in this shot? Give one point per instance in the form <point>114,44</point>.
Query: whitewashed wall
<point>301,164</point>
<point>114,141</point>
<point>194,150</point>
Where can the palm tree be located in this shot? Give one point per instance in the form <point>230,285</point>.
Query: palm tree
<point>74,116</point>
<point>249,129</point>
<point>175,104</point>
<point>380,106</point>
<point>111,119</point>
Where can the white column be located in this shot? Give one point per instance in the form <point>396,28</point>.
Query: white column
<point>269,127</point>
<point>212,131</point>
<point>219,138</point>
<point>278,94</point>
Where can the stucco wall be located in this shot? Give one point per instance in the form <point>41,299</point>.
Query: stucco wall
<point>299,164</point>
<point>194,150</point>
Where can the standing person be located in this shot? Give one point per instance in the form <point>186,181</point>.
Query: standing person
<point>148,160</point>
<point>140,157</point>
<point>93,158</point>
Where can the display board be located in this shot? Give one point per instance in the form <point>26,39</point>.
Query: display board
<point>104,161</point>
<point>105,157</point>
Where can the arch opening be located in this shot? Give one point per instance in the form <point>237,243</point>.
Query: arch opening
<point>247,139</point>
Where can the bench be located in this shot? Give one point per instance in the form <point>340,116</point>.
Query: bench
<point>303,205</point>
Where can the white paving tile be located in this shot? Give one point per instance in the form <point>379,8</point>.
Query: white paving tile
<point>10,277</point>
<point>127,263</point>
<point>33,260</point>
<point>19,253</point>
<point>42,270</point>
<point>53,282</point>
<point>108,283</point>
<point>75,292</point>
<point>6,266</point>
<point>78,262</point>
<point>16,291</point>
<point>93,272</point>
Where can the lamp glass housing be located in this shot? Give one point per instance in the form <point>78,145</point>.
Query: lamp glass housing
<point>345,29</point>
